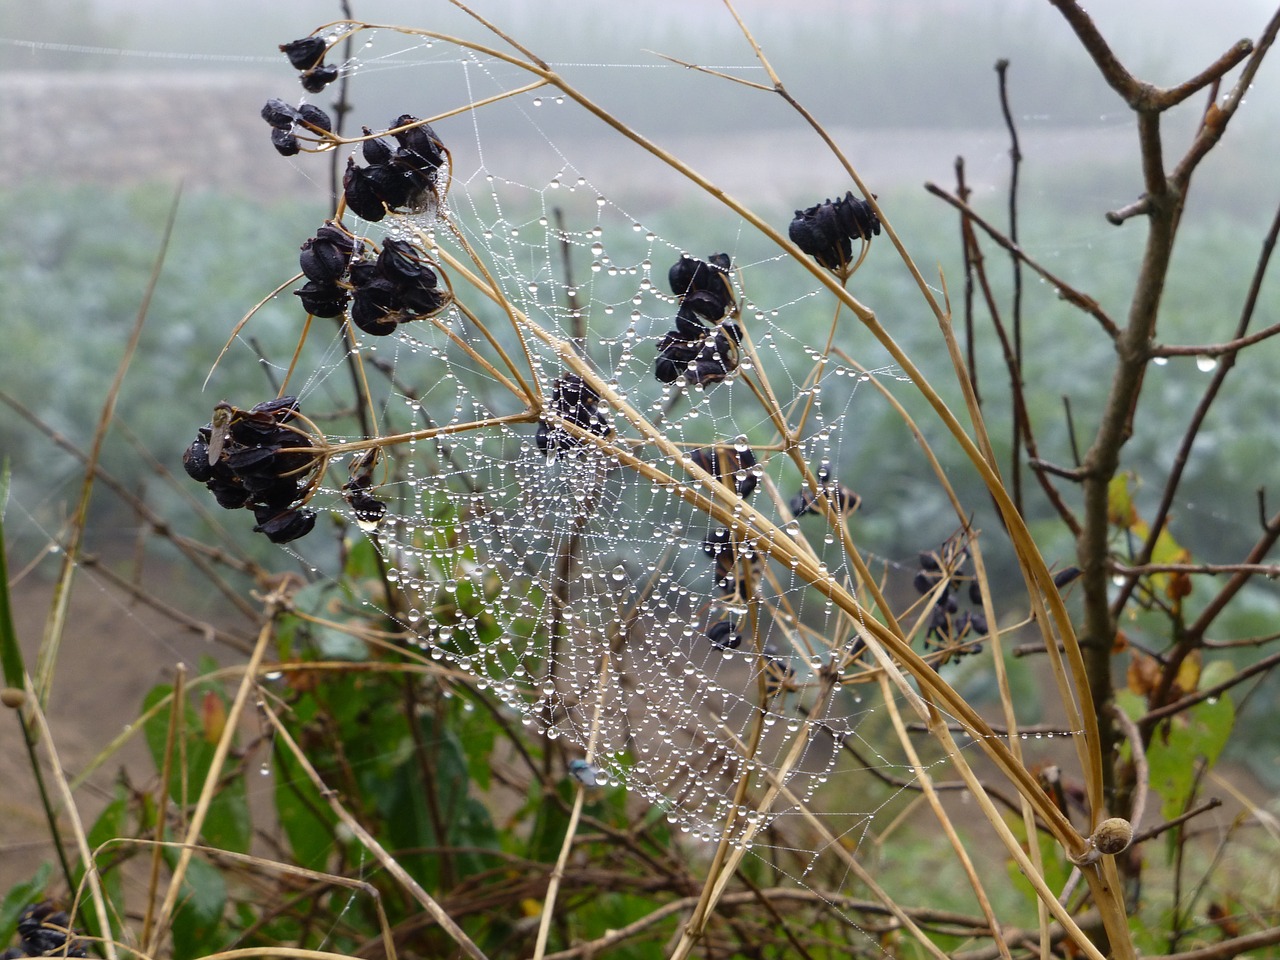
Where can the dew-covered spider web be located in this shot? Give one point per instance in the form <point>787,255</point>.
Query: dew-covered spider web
<point>591,505</point>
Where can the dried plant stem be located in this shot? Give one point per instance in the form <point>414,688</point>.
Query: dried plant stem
<point>1011,726</point>
<point>162,800</point>
<point>91,878</point>
<point>388,862</point>
<point>722,872</point>
<point>55,626</point>
<point>273,605</point>
<point>940,813</point>
<point>557,873</point>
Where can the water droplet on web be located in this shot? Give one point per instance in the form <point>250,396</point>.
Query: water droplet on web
<point>537,101</point>
<point>741,444</point>
<point>597,249</point>
<point>555,183</point>
<point>619,573</point>
<point>600,201</point>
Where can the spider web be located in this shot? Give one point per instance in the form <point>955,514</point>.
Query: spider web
<point>572,576</point>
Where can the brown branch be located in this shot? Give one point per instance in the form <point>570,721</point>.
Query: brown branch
<point>1230,948</point>
<point>1183,455</point>
<point>1204,807</point>
<point>1140,570</point>
<point>1134,92</point>
<point>1020,423</point>
<point>1139,208</point>
<point>1068,293</point>
<point>1064,472</point>
<point>1260,549</point>
<point>1189,701</point>
<point>1172,96</point>
<point>1216,118</point>
<point>1217,349</point>
<point>201,628</point>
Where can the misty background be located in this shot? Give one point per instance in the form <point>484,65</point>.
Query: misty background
<point>107,106</point>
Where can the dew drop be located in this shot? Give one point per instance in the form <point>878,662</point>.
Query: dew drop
<point>1206,364</point>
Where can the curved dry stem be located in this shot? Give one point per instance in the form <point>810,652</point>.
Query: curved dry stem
<point>388,862</point>
<point>91,878</point>
<point>940,813</point>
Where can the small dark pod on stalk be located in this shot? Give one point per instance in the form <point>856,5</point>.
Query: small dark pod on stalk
<point>322,299</point>
<point>375,151</point>
<point>305,53</point>
<point>310,113</point>
<point>724,635</point>
<point>375,309</point>
<point>279,114</point>
<point>286,143</point>
<point>424,146</point>
<point>316,79</point>
<point>361,196</point>
<point>283,526</point>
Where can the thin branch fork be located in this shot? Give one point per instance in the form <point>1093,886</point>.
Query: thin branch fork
<point>1068,293</point>
<point>1144,97</point>
<point>1217,349</point>
<point>1185,703</point>
<point>1139,570</point>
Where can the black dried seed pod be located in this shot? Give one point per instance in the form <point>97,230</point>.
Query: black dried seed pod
<point>286,143</point>
<point>376,308</point>
<point>703,305</point>
<point>393,186</point>
<point>817,231</point>
<point>925,580</point>
<point>724,635</point>
<point>305,53</point>
<point>322,299</point>
<point>285,525</point>
<point>195,460</point>
<point>1065,576</point>
<point>668,370</point>
<point>577,402</point>
<point>279,114</point>
<point>362,272</point>
<point>423,300</point>
<point>230,494</point>
<point>730,466</point>
<point>975,593</point>
<point>316,79</point>
<point>856,218</point>
<point>842,498</point>
<point>43,929</point>
<point>399,262</point>
<point>325,257</point>
<point>719,543</point>
<point>689,274</point>
<point>362,198</point>
<point>929,560</point>
<point>368,509</point>
<point>421,141</point>
<point>281,408</point>
<point>313,115</point>
<point>375,151</point>
<point>253,461</point>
